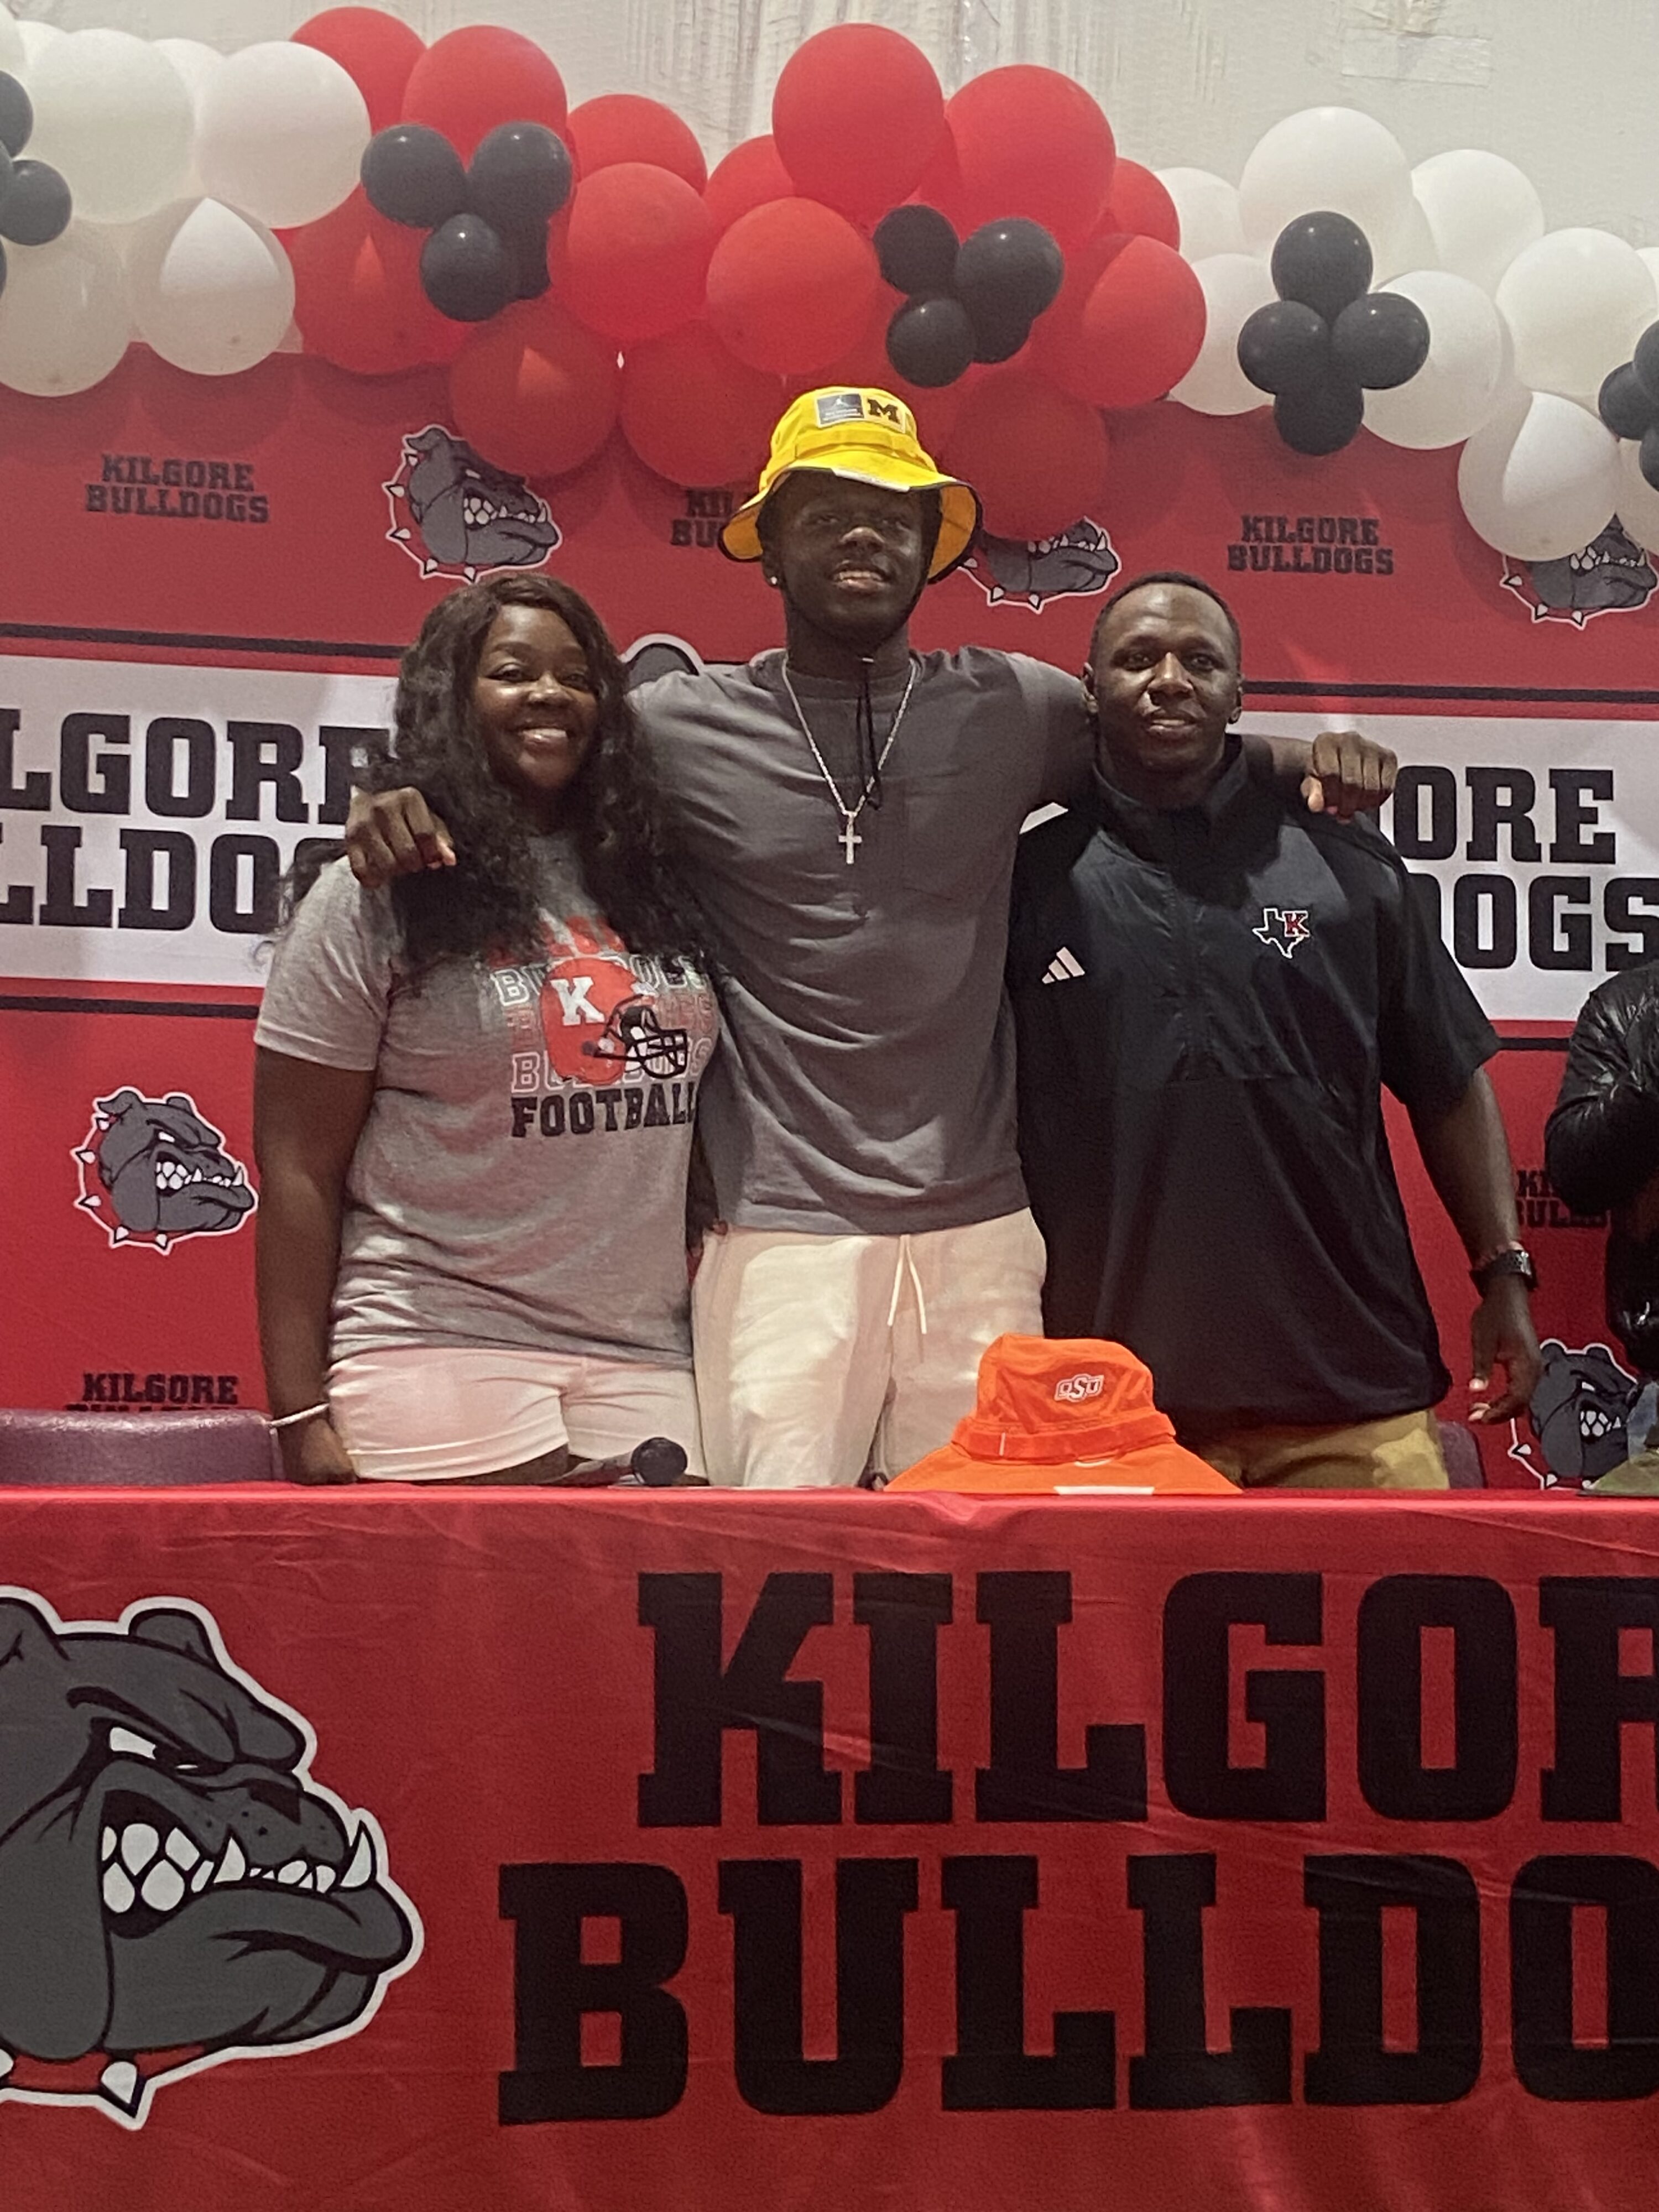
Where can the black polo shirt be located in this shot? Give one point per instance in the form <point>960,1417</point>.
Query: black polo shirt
<point>1208,1002</point>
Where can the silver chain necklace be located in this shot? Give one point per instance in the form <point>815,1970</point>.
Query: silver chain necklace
<point>848,836</point>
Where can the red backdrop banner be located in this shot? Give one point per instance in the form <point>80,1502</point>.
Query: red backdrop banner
<point>221,576</point>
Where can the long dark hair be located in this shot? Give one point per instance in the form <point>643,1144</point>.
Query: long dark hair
<point>614,811</point>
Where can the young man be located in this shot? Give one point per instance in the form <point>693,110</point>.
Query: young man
<point>1210,988</point>
<point>850,810</point>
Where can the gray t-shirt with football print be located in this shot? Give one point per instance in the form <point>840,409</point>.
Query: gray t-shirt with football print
<point>865,1081</point>
<point>520,1178</point>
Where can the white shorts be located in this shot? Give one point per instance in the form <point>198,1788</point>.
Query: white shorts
<point>432,1413</point>
<point>819,1355</point>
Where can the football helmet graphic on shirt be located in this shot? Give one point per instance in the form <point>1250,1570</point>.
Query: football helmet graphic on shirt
<point>599,1026</point>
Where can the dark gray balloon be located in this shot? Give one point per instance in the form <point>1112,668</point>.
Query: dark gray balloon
<point>520,175</point>
<point>930,341</point>
<point>1008,269</point>
<point>17,114</point>
<point>35,207</point>
<point>1625,404</point>
<point>917,247</point>
<point>414,175</point>
<point>1381,340</point>
<point>1323,260</point>
<point>1321,420</point>
<point>465,270</point>
<point>1285,347</point>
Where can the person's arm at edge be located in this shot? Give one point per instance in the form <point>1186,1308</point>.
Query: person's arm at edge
<point>1602,1141</point>
<point>1466,1153</point>
<point>306,1121</point>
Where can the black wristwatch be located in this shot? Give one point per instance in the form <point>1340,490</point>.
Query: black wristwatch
<point>1509,1260</point>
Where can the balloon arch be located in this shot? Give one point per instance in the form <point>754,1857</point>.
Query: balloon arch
<point>385,204</point>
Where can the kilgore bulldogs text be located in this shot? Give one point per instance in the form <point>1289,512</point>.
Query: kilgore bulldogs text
<point>1499,915</point>
<point>179,488</point>
<point>1311,545</point>
<point>111,1386</point>
<point>1406,1626</point>
<point>172,769</point>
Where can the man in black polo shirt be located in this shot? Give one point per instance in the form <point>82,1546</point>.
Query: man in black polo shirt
<point>1211,987</point>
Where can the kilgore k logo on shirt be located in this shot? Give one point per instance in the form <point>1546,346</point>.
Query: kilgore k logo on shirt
<point>1284,927</point>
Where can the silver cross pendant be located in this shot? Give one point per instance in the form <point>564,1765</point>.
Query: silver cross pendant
<point>850,837</point>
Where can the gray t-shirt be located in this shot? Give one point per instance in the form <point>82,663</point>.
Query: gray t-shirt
<point>520,1178</point>
<point>867,1082</point>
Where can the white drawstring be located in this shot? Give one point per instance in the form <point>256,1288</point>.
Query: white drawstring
<point>907,1262</point>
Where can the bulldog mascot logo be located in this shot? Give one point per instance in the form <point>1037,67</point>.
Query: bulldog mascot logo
<point>152,1170</point>
<point>175,1890</point>
<point>1610,575</point>
<point>1081,560</point>
<point>456,515</point>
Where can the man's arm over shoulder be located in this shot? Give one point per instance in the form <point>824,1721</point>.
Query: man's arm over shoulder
<point>1338,773</point>
<point>1602,1143</point>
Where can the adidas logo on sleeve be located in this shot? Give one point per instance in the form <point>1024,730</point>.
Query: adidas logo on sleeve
<point>1064,968</point>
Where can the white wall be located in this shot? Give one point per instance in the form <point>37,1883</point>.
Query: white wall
<point>1567,89</point>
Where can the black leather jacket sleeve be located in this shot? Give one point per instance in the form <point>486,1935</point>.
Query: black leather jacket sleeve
<point>1602,1142</point>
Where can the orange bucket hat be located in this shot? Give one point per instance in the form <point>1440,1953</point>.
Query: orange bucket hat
<point>1063,1414</point>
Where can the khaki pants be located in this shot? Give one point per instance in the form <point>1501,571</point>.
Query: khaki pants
<point>1403,1454</point>
<point>819,1355</point>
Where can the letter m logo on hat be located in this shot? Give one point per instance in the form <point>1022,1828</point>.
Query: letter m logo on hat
<point>1073,1389</point>
<point>839,407</point>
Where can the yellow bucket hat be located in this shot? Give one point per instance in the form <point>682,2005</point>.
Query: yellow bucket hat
<point>871,437</point>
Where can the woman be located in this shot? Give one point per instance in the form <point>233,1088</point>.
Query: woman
<point>474,1089</point>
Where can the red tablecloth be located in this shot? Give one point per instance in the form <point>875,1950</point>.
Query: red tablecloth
<point>393,1852</point>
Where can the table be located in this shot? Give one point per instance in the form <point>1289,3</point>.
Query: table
<point>385,1851</point>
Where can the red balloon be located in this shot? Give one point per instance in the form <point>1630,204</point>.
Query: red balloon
<point>694,413</point>
<point>622,126</point>
<point>1140,205</point>
<point>357,297</point>
<point>377,51</point>
<point>1033,142</point>
<point>935,407</point>
<point>939,185</point>
<point>791,286</point>
<point>1128,324</point>
<point>1037,457</point>
<point>534,391</point>
<point>470,80</point>
<point>636,255</point>
<point>749,175</point>
<point>856,116</point>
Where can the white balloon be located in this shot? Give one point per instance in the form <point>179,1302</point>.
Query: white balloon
<point>1207,206</point>
<point>1334,158</point>
<point>114,117</point>
<point>1467,372</point>
<point>281,132</point>
<point>36,38</point>
<point>195,62</point>
<point>1576,303</point>
<point>1480,211</point>
<point>1235,286</point>
<point>1639,503</point>
<point>1648,256</point>
<point>14,55</point>
<point>1541,479</point>
<point>211,289</point>
<point>1412,247</point>
<point>64,321</point>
